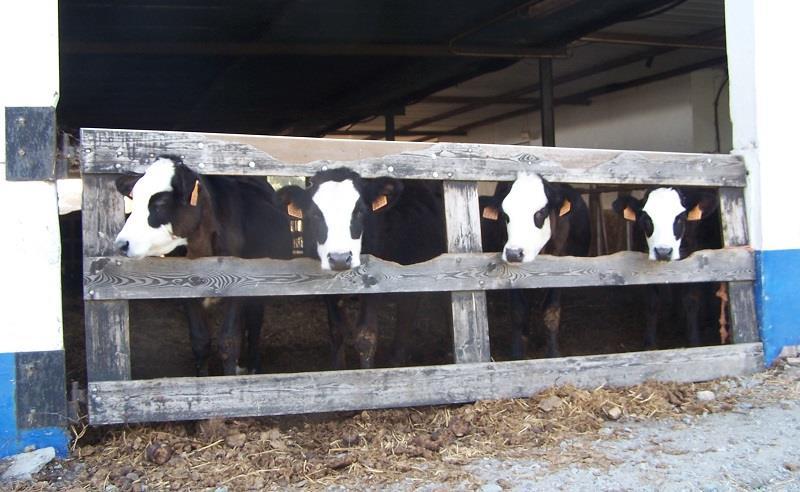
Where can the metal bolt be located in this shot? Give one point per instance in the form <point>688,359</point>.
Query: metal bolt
<point>390,169</point>
<point>91,293</point>
<point>119,263</point>
<point>119,153</point>
<point>87,150</point>
<point>201,165</point>
<point>183,157</point>
<point>481,282</point>
<point>152,155</point>
<point>449,175</point>
<point>435,174</point>
<point>21,121</point>
<point>324,168</point>
<point>118,166</point>
<point>200,145</point>
<point>708,160</point>
<point>20,152</point>
<point>251,164</point>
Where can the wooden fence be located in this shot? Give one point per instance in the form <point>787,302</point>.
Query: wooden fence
<point>111,281</point>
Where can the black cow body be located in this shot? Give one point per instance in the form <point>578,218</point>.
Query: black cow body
<point>211,216</point>
<point>393,220</point>
<point>694,227</point>
<point>570,236</point>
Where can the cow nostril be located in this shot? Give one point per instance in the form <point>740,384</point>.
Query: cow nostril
<point>340,261</point>
<point>122,246</point>
<point>663,253</point>
<point>514,254</point>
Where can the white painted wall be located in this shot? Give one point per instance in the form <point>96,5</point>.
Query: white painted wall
<point>764,108</point>
<point>30,248</point>
<point>671,115</point>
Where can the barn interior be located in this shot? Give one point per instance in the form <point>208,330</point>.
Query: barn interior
<point>620,74</point>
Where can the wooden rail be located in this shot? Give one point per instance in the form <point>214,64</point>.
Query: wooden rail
<point>111,281</point>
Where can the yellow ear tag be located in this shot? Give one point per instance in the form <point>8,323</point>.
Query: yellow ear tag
<point>629,214</point>
<point>695,214</point>
<point>565,208</point>
<point>379,203</point>
<point>195,193</point>
<point>294,211</point>
<point>490,213</point>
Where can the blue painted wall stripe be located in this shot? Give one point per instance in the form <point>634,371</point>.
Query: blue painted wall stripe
<point>12,439</point>
<point>778,300</point>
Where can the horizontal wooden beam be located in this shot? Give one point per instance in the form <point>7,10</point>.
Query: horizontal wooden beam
<point>115,151</point>
<point>304,49</point>
<point>409,133</point>
<point>110,278</point>
<point>116,402</point>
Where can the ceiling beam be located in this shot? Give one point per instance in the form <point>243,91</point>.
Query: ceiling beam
<point>645,40</point>
<point>582,96</point>
<point>482,99</point>
<point>310,49</point>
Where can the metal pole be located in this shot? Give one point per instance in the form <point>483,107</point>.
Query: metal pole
<point>548,116</point>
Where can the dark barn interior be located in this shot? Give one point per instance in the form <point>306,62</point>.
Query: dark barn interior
<point>365,70</point>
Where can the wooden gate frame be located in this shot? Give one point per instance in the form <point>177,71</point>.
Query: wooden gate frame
<point>111,281</point>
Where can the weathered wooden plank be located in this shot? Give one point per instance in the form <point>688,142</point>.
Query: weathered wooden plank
<point>278,394</point>
<point>109,151</point>
<point>744,325</point>
<point>468,309</point>
<point>113,278</point>
<point>106,322</point>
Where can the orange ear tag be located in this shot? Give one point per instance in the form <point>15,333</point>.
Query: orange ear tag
<point>565,208</point>
<point>379,202</point>
<point>695,214</point>
<point>294,211</point>
<point>490,213</point>
<point>195,193</point>
<point>629,214</point>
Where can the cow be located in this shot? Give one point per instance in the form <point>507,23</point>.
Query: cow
<point>523,219</point>
<point>346,215</point>
<point>210,216</point>
<point>675,222</point>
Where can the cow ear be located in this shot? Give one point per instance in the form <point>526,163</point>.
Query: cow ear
<point>628,207</point>
<point>185,183</point>
<point>383,193</point>
<point>126,182</point>
<point>701,205</point>
<point>566,206</point>
<point>294,200</point>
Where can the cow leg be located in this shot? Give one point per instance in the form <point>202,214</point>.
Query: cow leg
<point>366,336</point>
<point>552,321</point>
<point>230,338</point>
<point>691,309</point>
<point>337,326</point>
<point>407,308</point>
<point>520,306</point>
<point>199,335</point>
<point>652,308</point>
<point>252,321</point>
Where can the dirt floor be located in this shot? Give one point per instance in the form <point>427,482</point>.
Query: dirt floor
<point>647,437</point>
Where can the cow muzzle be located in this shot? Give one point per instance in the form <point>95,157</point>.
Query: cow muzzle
<point>340,261</point>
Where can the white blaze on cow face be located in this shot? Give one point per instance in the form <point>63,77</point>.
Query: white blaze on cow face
<point>527,196</point>
<point>336,201</point>
<point>140,238</point>
<point>663,206</point>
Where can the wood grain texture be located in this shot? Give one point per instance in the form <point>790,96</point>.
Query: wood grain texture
<point>468,309</point>
<point>111,278</point>
<point>114,151</point>
<point>106,322</point>
<point>279,394</point>
<point>741,295</point>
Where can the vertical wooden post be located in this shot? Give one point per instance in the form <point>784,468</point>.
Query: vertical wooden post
<point>107,329</point>
<point>470,324</point>
<point>547,111</point>
<point>740,294</point>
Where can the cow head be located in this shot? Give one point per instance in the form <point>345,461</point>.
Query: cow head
<point>529,210</point>
<point>663,214</point>
<point>336,208</point>
<point>164,208</point>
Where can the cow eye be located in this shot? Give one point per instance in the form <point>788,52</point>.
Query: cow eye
<point>679,226</point>
<point>538,217</point>
<point>646,223</point>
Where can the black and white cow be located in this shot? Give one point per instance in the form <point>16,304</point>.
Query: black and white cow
<point>675,223</point>
<point>346,216</point>
<point>521,220</point>
<point>211,216</point>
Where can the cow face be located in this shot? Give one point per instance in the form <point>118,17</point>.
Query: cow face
<point>161,199</point>
<point>529,209</point>
<point>663,214</point>
<point>336,208</point>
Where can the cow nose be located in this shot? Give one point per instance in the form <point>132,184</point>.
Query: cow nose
<point>340,261</point>
<point>663,253</point>
<point>122,245</point>
<point>514,255</point>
